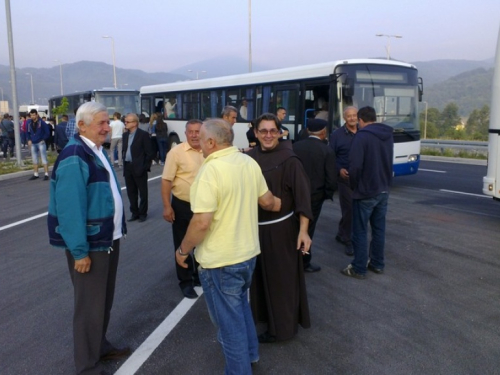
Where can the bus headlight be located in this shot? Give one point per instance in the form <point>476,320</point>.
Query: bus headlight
<point>412,158</point>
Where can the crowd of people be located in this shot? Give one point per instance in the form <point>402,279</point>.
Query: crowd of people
<point>248,248</point>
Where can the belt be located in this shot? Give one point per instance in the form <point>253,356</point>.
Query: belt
<point>277,220</point>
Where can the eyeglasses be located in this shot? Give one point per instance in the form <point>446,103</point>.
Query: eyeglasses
<point>272,131</point>
<point>130,122</point>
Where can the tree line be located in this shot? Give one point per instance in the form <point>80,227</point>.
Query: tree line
<point>448,123</point>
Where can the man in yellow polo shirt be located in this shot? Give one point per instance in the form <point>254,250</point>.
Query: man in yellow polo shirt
<point>181,167</point>
<point>224,229</point>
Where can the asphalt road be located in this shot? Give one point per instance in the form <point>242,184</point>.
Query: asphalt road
<point>434,311</point>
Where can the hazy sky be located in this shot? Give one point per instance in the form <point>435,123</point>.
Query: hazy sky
<point>162,35</point>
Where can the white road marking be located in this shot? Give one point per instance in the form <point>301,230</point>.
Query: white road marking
<point>463,193</point>
<point>46,213</point>
<point>430,170</point>
<point>143,352</point>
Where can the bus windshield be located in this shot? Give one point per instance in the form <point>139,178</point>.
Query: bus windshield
<point>391,90</point>
<point>118,102</point>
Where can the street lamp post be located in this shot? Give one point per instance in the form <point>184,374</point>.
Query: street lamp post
<point>388,47</point>
<point>425,121</point>
<point>13,84</point>
<point>197,72</point>
<point>113,51</point>
<point>250,36</point>
<point>32,92</point>
<point>60,74</point>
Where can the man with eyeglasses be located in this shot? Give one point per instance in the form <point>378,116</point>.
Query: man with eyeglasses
<point>278,292</point>
<point>137,154</point>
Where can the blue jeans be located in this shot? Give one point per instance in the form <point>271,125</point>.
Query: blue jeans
<point>371,210</point>
<point>162,148</point>
<point>39,148</point>
<point>7,146</point>
<point>226,294</point>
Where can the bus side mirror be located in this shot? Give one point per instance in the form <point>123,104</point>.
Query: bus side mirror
<point>420,88</point>
<point>348,87</point>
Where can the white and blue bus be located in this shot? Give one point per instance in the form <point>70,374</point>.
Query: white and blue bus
<point>393,88</point>
<point>115,100</point>
<point>491,182</point>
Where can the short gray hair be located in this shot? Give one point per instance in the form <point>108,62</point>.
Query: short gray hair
<point>348,108</point>
<point>228,109</point>
<point>220,131</point>
<point>87,111</point>
<point>133,115</point>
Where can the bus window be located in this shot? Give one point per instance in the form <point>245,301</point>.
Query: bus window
<point>146,106</point>
<point>288,100</point>
<point>171,107</point>
<point>263,100</point>
<point>190,106</point>
<point>159,104</point>
<point>216,100</point>
<point>246,109</point>
<point>233,97</point>
<point>205,105</point>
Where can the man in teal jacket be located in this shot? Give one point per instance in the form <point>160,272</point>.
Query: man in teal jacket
<point>86,218</point>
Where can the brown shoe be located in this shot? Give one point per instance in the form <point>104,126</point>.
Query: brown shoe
<point>116,353</point>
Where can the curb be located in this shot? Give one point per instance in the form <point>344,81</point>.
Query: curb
<point>446,159</point>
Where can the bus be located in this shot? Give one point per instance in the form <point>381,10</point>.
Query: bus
<point>42,110</point>
<point>393,88</point>
<point>115,100</point>
<point>491,182</point>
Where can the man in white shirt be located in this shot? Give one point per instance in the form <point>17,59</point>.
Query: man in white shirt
<point>86,221</point>
<point>117,127</point>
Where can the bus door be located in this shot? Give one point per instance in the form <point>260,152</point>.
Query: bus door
<point>316,101</point>
<point>287,96</point>
<point>146,106</point>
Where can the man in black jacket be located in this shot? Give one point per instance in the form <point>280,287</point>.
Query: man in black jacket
<point>60,137</point>
<point>370,175</point>
<point>138,154</point>
<point>319,162</point>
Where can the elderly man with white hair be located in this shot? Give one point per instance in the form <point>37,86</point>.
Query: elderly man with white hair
<point>86,220</point>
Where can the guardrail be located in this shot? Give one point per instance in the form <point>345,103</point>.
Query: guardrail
<point>478,146</point>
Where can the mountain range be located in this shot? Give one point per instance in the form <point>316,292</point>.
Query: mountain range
<point>465,82</point>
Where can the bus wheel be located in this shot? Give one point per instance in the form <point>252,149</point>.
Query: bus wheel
<point>173,140</point>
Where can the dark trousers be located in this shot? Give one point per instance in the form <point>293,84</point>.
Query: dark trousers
<point>137,187</point>
<point>7,146</point>
<point>345,200</point>
<point>183,215</point>
<point>93,293</point>
<point>316,205</point>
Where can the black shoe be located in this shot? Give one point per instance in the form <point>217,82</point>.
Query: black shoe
<point>33,178</point>
<point>189,292</point>
<point>312,268</point>
<point>349,249</point>
<point>266,338</point>
<point>349,271</point>
<point>133,218</point>
<point>339,239</point>
<point>45,178</point>
<point>372,268</point>
<point>116,353</point>
<point>142,219</point>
